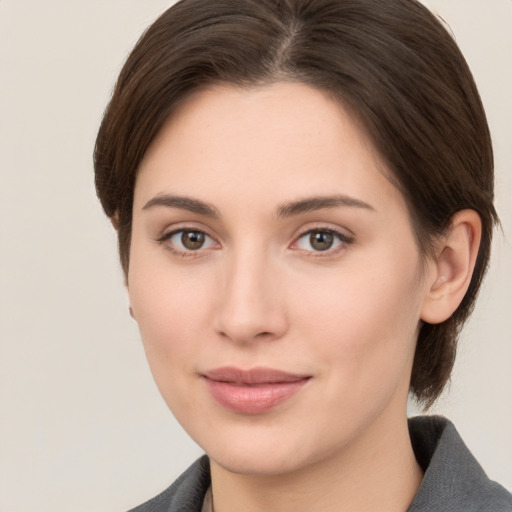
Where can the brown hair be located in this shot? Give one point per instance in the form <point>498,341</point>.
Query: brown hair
<point>393,63</point>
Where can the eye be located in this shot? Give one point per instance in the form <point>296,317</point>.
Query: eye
<point>188,240</point>
<point>322,240</point>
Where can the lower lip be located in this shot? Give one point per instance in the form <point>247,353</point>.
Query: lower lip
<point>254,398</point>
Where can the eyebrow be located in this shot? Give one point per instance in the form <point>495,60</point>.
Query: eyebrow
<point>289,209</point>
<point>183,203</point>
<point>312,204</point>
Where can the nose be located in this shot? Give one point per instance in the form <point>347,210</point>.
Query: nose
<point>250,301</point>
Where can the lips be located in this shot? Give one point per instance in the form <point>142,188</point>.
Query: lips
<point>252,391</point>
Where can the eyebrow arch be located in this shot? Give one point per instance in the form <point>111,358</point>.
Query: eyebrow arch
<point>312,204</point>
<point>183,203</point>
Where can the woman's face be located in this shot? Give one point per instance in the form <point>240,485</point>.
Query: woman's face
<point>275,278</point>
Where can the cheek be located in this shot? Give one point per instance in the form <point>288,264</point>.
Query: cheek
<point>171,320</point>
<point>365,320</point>
<point>173,310</point>
<point>168,310</point>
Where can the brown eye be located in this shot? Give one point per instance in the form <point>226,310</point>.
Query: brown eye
<point>192,240</point>
<point>188,241</point>
<point>321,240</point>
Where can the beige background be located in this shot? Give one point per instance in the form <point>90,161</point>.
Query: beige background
<point>82,427</point>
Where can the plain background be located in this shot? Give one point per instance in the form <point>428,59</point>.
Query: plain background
<point>82,426</point>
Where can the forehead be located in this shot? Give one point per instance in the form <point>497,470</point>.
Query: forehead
<point>283,137</point>
<point>244,118</point>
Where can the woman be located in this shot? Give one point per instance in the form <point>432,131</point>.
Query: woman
<point>302,191</point>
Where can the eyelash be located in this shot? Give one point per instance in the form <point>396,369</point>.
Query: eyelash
<point>181,253</point>
<point>343,239</point>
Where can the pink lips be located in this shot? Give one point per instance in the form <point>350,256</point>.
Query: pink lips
<point>252,391</point>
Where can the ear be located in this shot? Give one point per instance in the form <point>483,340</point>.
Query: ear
<point>452,269</point>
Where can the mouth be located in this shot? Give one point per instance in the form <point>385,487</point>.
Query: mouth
<point>252,391</point>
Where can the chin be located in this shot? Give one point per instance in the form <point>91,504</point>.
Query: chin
<point>257,464</point>
<point>265,454</point>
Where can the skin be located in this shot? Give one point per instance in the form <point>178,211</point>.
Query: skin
<point>258,293</point>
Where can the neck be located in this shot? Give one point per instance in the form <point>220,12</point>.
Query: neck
<point>377,472</point>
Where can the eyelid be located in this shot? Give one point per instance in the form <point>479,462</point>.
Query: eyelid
<point>344,239</point>
<point>170,229</point>
<point>165,238</point>
<point>340,234</point>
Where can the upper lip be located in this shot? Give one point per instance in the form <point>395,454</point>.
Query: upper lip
<point>259,375</point>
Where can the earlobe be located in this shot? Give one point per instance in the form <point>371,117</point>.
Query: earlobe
<point>453,267</point>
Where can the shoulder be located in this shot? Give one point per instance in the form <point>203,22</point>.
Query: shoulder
<point>186,494</point>
<point>454,481</point>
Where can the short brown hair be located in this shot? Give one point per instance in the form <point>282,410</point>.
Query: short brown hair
<point>393,63</point>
